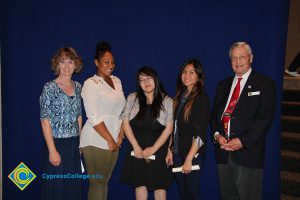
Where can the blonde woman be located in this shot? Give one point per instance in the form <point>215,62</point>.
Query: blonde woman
<point>60,107</point>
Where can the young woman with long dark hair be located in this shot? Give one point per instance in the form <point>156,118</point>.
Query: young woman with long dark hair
<point>147,123</point>
<point>191,114</point>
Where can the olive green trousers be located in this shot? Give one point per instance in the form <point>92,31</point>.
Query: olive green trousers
<point>99,162</point>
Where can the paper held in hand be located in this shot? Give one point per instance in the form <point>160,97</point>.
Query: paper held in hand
<point>82,167</point>
<point>152,157</point>
<point>179,169</point>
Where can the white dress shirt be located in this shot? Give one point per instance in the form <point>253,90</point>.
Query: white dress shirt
<point>102,103</point>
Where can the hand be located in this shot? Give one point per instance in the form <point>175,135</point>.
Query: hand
<point>169,158</point>
<point>112,146</point>
<point>54,158</point>
<point>147,152</point>
<point>120,140</point>
<point>233,145</point>
<point>138,152</point>
<point>221,140</point>
<point>187,167</point>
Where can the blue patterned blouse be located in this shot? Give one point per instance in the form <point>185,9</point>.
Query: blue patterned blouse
<point>62,110</point>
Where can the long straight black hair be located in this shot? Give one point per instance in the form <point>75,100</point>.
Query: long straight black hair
<point>158,94</point>
<point>198,88</point>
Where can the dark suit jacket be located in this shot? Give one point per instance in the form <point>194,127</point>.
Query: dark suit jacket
<point>250,119</point>
<point>196,126</point>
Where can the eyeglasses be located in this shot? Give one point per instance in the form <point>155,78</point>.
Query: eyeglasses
<point>242,58</point>
<point>146,80</point>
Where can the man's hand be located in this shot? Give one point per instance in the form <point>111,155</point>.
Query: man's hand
<point>232,145</point>
<point>221,140</point>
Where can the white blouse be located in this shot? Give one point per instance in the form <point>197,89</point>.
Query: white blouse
<point>102,104</point>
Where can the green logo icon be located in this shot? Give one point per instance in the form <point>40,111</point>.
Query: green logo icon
<point>22,176</point>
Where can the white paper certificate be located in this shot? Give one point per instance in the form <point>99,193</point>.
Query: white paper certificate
<point>179,169</point>
<point>152,157</point>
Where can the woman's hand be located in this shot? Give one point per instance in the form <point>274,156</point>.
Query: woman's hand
<point>149,151</point>
<point>112,145</point>
<point>138,152</point>
<point>120,140</point>
<point>169,158</point>
<point>187,166</point>
<point>54,158</point>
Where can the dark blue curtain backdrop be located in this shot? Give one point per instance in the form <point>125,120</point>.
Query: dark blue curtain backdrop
<point>161,34</point>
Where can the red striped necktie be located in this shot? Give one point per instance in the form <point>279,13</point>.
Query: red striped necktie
<point>230,108</point>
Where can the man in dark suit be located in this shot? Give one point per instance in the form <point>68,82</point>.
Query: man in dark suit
<point>242,113</point>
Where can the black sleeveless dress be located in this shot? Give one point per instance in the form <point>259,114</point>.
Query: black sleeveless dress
<point>154,174</point>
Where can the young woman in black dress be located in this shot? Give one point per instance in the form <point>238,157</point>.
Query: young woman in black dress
<point>148,123</point>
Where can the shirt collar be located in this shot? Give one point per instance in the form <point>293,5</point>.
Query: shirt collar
<point>245,76</point>
<point>99,77</point>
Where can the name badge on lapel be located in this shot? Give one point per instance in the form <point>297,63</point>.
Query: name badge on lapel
<point>253,93</point>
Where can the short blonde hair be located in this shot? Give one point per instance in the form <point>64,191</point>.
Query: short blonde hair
<point>66,52</point>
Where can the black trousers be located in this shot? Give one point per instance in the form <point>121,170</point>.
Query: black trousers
<point>240,183</point>
<point>188,184</point>
<point>295,63</point>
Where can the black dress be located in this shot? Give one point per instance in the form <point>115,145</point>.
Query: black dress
<point>154,174</point>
